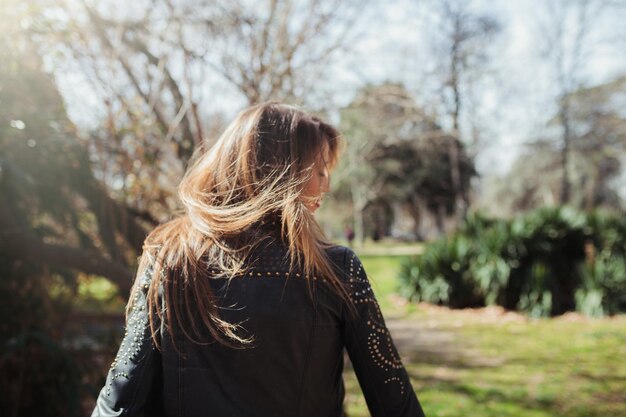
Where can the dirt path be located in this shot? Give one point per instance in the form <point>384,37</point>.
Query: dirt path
<point>424,340</point>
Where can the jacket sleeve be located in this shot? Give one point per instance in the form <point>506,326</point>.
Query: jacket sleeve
<point>134,379</point>
<point>382,377</point>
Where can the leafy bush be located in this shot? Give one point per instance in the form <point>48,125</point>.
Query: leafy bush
<point>548,262</point>
<point>603,289</point>
<point>442,274</point>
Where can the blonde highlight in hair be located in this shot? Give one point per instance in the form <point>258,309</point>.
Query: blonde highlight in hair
<point>254,172</point>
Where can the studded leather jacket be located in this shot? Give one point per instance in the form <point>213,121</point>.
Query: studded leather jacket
<point>292,368</point>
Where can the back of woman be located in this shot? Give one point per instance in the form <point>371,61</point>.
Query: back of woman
<point>241,307</point>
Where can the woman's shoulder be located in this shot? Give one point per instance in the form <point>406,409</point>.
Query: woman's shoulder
<point>342,257</point>
<point>350,270</point>
<point>336,252</point>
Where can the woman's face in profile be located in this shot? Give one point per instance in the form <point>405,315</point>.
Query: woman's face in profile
<point>319,183</point>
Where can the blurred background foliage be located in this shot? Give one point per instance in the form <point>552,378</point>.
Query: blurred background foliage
<point>102,104</point>
<point>545,263</point>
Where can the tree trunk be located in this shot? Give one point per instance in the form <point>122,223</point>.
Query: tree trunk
<point>455,177</point>
<point>439,217</point>
<point>565,150</point>
<point>358,204</point>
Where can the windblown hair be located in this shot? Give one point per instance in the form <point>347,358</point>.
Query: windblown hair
<point>255,172</point>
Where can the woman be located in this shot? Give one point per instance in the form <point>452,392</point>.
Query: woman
<point>241,307</point>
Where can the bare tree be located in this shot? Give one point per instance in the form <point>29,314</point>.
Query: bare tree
<point>596,157</point>
<point>566,31</point>
<point>279,49</point>
<point>153,68</point>
<point>461,42</point>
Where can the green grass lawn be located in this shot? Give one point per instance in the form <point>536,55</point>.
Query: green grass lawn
<point>491,363</point>
<point>382,272</point>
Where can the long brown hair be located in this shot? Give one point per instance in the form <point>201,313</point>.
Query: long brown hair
<point>255,171</point>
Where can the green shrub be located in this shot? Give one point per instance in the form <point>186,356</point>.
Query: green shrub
<point>441,275</point>
<point>548,262</point>
<point>603,289</point>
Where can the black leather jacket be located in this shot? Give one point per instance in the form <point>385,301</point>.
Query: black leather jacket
<point>292,368</point>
